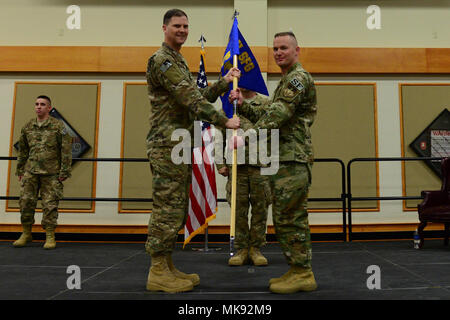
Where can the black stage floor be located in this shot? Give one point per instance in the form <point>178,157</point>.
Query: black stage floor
<point>118,271</point>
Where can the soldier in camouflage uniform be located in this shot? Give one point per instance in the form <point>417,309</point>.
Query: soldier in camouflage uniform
<point>44,161</point>
<point>175,102</point>
<point>253,189</point>
<point>292,111</point>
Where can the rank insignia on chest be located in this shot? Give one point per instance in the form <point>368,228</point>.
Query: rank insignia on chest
<point>165,66</point>
<point>297,84</point>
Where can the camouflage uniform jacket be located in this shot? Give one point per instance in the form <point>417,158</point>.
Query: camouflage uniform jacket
<point>259,102</point>
<point>46,149</point>
<point>292,110</point>
<point>175,99</point>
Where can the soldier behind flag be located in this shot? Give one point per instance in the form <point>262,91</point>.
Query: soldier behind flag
<point>292,111</point>
<point>253,189</point>
<point>175,102</point>
<point>44,162</point>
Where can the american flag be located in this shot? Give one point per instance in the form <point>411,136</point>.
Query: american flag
<point>203,192</point>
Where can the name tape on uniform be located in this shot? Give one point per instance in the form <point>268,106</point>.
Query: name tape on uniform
<point>297,84</point>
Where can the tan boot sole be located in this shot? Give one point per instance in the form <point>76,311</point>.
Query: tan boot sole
<point>22,245</point>
<point>236,264</point>
<point>274,280</point>
<point>151,286</point>
<point>195,282</point>
<point>274,289</point>
<point>194,279</point>
<point>260,264</point>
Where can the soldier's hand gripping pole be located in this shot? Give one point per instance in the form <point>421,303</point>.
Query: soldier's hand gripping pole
<point>233,171</point>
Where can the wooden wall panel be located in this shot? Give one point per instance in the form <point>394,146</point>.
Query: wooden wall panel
<point>134,59</point>
<point>414,98</point>
<point>79,103</point>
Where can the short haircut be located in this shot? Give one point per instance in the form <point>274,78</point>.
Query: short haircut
<point>173,13</point>
<point>286,33</point>
<point>46,98</point>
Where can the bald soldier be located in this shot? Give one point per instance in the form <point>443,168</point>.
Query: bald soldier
<point>43,163</point>
<point>175,103</point>
<point>292,110</point>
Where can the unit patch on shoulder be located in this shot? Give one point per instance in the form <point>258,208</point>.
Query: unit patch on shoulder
<point>165,66</point>
<point>297,84</point>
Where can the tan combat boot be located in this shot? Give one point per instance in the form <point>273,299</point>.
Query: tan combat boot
<point>193,277</point>
<point>160,278</point>
<point>239,259</point>
<point>25,237</point>
<point>284,276</point>
<point>257,257</point>
<point>50,242</point>
<point>299,279</point>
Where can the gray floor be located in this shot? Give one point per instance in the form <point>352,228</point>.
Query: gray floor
<point>114,271</point>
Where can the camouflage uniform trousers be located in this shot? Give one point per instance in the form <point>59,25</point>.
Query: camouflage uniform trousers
<point>290,186</point>
<point>51,190</point>
<point>253,189</point>
<point>170,184</point>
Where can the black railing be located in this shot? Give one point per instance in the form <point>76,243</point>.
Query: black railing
<point>88,198</point>
<point>342,198</point>
<point>350,198</point>
<point>346,197</point>
<point>343,193</point>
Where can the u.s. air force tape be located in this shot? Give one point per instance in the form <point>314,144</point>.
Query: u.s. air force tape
<point>297,84</point>
<point>166,65</point>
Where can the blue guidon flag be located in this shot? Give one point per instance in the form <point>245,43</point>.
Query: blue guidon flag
<point>251,77</point>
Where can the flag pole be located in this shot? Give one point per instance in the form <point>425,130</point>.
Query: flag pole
<point>202,41</point>
<point>206,249</point>
<point>234,164</point>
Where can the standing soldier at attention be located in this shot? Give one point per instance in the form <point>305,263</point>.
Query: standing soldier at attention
<point>252,189</point>
<point>44,162</point>
<point>292,110</point>
<point>175,103</point>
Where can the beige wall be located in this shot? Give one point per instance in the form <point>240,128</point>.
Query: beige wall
<point>328,23</point>
<point>317,23</point>
<point>109,22</point>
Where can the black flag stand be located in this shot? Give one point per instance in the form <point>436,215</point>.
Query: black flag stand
<point>206,248</point>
